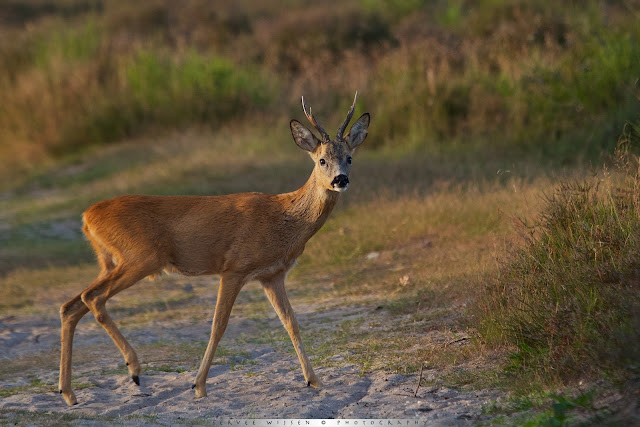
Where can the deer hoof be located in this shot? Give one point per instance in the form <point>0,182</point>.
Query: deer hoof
<point>69,397</point>
<point>314,382</point>
<point>201,392</point>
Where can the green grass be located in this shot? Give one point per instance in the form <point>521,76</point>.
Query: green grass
<point>548,409</point>
<point>567,298</point>
<point>535,78</point>
<point>554,97</point>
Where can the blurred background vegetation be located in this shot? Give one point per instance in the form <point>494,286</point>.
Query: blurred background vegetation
<point>473,103</point>
<point>554,80</point>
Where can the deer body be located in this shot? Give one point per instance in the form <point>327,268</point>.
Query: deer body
<point>246,233</point>
<point>241,237</point>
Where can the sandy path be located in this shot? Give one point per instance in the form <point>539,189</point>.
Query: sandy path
<point>255,380</point>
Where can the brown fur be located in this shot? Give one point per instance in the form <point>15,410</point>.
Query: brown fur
<point>241,237</point>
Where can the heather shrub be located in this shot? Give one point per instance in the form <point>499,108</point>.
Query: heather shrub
<point>568,299</point>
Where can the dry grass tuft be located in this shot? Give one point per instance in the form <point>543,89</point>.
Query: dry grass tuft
<point>568,298</point>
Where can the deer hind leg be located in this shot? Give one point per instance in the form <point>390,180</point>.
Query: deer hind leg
<point>70,314</point>
<point>95,298</point>
<point>230,286</point>
<point>274,288</point>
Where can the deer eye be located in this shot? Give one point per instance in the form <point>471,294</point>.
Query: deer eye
<point>349,159</point>
<point>322,162</point>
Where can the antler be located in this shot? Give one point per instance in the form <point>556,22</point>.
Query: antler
<point>325,135</point>
<point>348,119</point>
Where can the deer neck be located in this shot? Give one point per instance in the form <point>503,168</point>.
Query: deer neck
<point>311,205</point>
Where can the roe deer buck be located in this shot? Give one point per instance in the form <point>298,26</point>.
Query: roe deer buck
<point>241,237</point>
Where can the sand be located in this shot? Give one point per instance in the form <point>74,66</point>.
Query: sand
<point>255,380</point>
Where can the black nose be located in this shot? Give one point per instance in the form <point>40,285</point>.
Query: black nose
<point>341,180</point>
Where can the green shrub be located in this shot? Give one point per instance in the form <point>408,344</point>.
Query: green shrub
<point>569,298</point>
<point>21,12</point>
<point>554,80</point>
<point>592,84</point>
<point>193,88</point>
<point>317,37</point>
<point>514,74</point>
<point>80,91</point>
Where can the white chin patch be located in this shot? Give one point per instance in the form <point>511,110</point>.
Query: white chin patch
<point>340,189</point>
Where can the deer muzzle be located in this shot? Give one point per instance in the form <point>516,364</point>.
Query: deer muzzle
<point>340,182</point>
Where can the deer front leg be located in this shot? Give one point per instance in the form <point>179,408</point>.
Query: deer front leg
<point>274,288</point>
<point>229,288</point>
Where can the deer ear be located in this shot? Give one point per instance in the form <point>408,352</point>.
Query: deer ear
<point>303,136</point>
<point>358,132</point>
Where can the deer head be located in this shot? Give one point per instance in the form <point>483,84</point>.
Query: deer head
<point>332,157</point>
